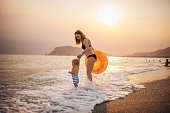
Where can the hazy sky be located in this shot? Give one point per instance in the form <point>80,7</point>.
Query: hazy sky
<point>37,26</point>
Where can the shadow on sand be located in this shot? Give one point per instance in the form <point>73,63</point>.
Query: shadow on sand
<point>100,108</point>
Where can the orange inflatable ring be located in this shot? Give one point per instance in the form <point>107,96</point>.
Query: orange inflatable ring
<point>101,63</point>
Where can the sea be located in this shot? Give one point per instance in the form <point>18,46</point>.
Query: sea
<point>41,83</point>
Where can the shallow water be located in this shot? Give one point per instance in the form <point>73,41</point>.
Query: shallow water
<point>39,83</point>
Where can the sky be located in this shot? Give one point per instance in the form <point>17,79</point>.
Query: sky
<point>38,26</point>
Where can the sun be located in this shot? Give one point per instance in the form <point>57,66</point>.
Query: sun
<point>109,15</point>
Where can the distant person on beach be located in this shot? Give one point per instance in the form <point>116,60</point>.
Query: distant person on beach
<point>166,63</point>
<point>74,71</point>
<point>88,51</point>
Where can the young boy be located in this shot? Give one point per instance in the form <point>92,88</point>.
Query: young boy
<point>74,71</point>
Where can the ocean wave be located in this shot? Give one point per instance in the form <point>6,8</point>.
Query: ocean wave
<point>53,91</point>
<point>61,96</point>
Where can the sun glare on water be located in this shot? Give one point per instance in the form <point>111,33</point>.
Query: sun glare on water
<point>109,15</point>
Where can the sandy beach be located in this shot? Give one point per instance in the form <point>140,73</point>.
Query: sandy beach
<point>155,98</point>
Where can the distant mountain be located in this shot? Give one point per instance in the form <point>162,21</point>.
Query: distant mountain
<point>158,53</point>
<point>68,51</point>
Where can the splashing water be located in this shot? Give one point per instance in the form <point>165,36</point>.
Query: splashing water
<point>51,90</point>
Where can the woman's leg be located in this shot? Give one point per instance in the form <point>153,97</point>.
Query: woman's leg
<point>90,64</point>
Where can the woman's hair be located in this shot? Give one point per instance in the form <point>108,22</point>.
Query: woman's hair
<point>83,36</point>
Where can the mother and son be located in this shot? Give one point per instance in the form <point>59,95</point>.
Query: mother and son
<point>81,38</point>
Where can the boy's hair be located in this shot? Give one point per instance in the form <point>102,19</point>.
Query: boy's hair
<point>75,61</point>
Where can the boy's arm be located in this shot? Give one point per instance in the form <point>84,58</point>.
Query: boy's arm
<point>70,72</point>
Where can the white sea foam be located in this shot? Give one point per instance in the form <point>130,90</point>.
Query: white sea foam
<point>63,97</point>
<point>53,91</point>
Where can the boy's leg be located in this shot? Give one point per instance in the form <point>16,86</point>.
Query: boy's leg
<point>76,85</point>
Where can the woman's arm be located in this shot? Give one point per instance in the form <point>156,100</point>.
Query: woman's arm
<point>87,48</point>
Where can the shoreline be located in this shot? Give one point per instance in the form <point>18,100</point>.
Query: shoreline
<point>154,98</point>
<point>150,76</point>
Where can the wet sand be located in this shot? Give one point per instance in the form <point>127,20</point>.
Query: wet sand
<point>155,98</point>
<point>150,76</point>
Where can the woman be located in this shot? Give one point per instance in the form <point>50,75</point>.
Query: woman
<point>88,51</point>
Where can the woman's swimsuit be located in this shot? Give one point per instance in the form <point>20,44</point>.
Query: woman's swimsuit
<point>93,55</point>
<point>84,47</point>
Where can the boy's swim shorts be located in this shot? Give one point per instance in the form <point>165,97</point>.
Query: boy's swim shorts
<point>75,79</point>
